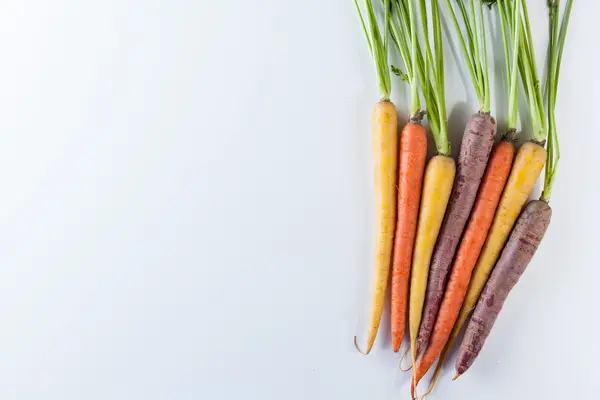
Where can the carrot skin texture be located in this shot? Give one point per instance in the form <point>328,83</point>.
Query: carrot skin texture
<point>492,184</point>
<point>411,168</point>
<point>437,186</point>
<point>476,145</point>
<point>526,169</point>
<point>385,152</point>
<point>516,256</point>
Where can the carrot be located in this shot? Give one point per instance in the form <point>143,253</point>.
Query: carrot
<point>439,177</point>
<point>481,218</point>
<point>524,241</point>
<point>531,225</point>
<point>385,148</point>
<point>411,168</point>
<point>439,173</point>
<point>413,151</point>
<point>484,210</point>
<point>476,145</point>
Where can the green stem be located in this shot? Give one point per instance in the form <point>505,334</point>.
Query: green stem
<point>443,145</point>
<point>428,54</point>
<point>364,26</point>
<point>561,40</point>
<point>468,27</point>
<point>528,71</point>
<point>378,45</point>
<point>513,100</point>
<point>473,22</point>
<point>486,75</point>
<point>401,29</point>
<point>399,37</point>
<point>386,18</point>
<point>433,84</point>
<point>405,10</point>
<point>402,9</point>
<point>415,104</point>
<point>429,90</point>
<point>468,55</point>
<point>541,133</point>
<point>557,42</point>
<point>505,26</point>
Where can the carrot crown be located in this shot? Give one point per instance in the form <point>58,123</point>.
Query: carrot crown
<point>378,44</point>
<point>474,48</point>
<point>432,85</point>
<point>557,43</point>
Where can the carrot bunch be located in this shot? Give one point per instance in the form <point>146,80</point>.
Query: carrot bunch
<point>455,237</point>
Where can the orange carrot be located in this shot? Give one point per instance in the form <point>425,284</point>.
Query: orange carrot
<point>413,152</point>
<point>493,182</point>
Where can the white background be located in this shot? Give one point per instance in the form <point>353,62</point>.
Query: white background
<point>187,208</point>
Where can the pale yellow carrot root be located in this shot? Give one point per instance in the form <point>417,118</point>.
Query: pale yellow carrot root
<point>385,155</point>
<point>437,187</point>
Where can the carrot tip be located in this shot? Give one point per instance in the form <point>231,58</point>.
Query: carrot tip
<point>456,377</point>
<point>402,359</point>
<point>358,348</point>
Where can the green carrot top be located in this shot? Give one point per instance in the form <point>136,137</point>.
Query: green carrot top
<point>511,37</point>
<point>420,68</point>
<point>475,47</point>
<point>378,44</point>
<point>432,86</point>
<point>557,43</point>
<point>527,65</point>
<point>404,34</point>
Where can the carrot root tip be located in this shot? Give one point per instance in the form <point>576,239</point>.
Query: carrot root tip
<point>358,348</point>
<point>402,359</point>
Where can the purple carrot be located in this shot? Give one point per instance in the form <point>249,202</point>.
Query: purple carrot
<point>474,153</point>
<point>518,252</point>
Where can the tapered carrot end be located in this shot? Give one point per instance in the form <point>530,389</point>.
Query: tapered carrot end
<point>427,394</point>
<point>396,341</point>
<point>402,359</point>
<point>460,370</point>
<point>417,375</point>
<point>358,348</point>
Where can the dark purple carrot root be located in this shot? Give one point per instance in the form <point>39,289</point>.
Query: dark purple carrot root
<point>522,244</point>
<point>474,153</point>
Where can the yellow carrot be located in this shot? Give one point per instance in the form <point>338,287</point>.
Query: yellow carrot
<point>437,186</point>
<point>385,155</point>
<point>524,174</point>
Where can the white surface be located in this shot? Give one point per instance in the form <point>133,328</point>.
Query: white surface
<point>186,209</point>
